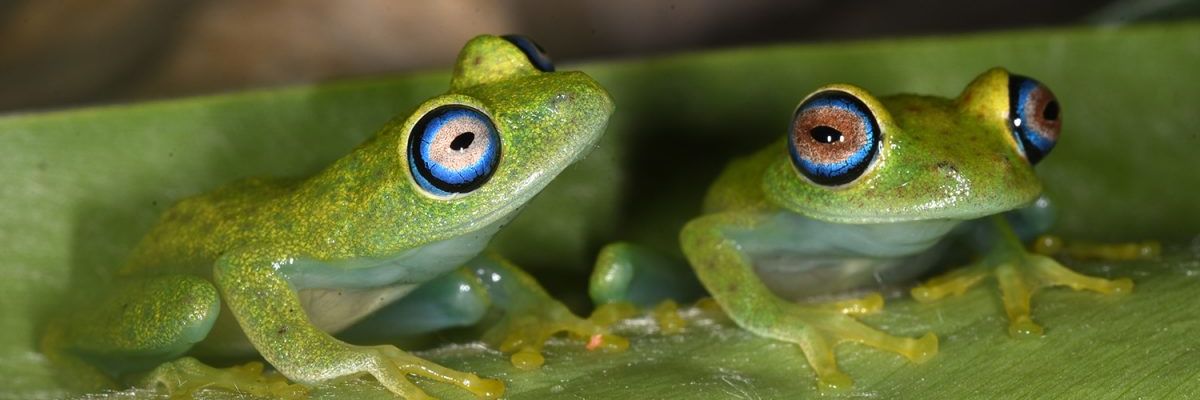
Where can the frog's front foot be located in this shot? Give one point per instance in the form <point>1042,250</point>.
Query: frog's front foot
<point>524,333</point>
<point>818,329</point>
<point>391,367</point>
<point>1019,274</point>
<point>184,377</point>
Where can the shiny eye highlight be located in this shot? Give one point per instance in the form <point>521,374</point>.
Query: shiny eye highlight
<point>1034,115</point>
<point>537,56</point>
<point>834,138</point>
<point>453,149</point>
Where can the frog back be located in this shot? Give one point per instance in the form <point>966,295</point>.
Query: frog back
<point>191,234</point>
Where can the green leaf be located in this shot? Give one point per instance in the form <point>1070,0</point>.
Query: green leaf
<point>79,187</point>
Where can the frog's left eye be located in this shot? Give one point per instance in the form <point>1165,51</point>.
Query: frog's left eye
<point>1034,116</point>
<point>537,56</point>
<point>453,149</point>
<point>834,138</point>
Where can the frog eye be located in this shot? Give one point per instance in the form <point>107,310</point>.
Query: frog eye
<point>1034,116</point>
<point>453,149</point>
<point>537,56</point>
<point>834,138</point>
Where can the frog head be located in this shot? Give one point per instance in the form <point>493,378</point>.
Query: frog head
<point>506,127</point>
<point>855,158</point>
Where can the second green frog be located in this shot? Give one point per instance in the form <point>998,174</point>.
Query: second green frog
<point>865,191</point>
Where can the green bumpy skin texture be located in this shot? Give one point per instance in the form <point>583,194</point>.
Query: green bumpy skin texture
<point>771,236</point>
<point>293,259</point>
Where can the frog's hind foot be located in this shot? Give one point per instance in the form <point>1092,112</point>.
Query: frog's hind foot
<point>184,377</point>
<point>1054,246</point>
<point>817,330</point>
<point>524,334</point>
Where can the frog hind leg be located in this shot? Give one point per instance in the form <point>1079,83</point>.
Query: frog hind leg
<point>137,324</point>
<point>456,299</point>
<point>531,316</point>
<point>817,329</point>
<point>1019,274</point>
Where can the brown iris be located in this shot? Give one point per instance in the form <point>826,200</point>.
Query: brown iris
<point>834,138</point>
<point>1034,115</point>
<point>1042,113</point>
<point>828,135</point>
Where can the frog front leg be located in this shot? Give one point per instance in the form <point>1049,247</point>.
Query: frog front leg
<point>1019,274</point>
<point>531,316</point>
<point>729,276</point>
<point>270,314</point>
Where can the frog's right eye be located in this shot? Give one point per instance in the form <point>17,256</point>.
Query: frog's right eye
<point>537,56</point>
<point>1033,116</point>
<point>834,138</point>
<point>453,149</point>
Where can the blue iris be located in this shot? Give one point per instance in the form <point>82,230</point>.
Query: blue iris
<point>536,55</point>
<point>847,167</point>
<point>1027,120</point>
<point>444,150</point>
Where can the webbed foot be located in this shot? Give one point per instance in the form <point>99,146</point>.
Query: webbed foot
<point>1019,274</point>
<point>184,377</point>
<point>391,367</point>
<point>524,333</point>
<point>818,329</point>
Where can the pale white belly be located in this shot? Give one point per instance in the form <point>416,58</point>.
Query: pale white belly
<point>332,310</point>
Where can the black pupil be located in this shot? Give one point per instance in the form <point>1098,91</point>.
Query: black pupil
<point>1050,113</point>
<point>825,134</point>
<point>462,141</point>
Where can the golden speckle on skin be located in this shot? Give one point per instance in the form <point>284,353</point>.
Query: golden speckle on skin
<point>245,236</point>
<point>924,131</point>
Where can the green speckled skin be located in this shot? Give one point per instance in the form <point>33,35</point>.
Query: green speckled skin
<point>770,234</point>
<point>939,158</point>
<point>363,223</point>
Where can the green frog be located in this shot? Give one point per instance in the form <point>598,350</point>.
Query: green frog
<point>864,191</point>
<point>397,227</point>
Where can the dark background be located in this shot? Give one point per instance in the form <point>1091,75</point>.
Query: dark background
<point>62,53</point>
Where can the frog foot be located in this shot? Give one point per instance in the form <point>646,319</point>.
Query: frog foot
<point>1019,275</point>
<point>392,366</point>
<point>184,377</point>
<point>668,317</point>
<point>524,334</point>
<point>818,329</point>
<point>1053,245</point>
<point>869,304</point>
